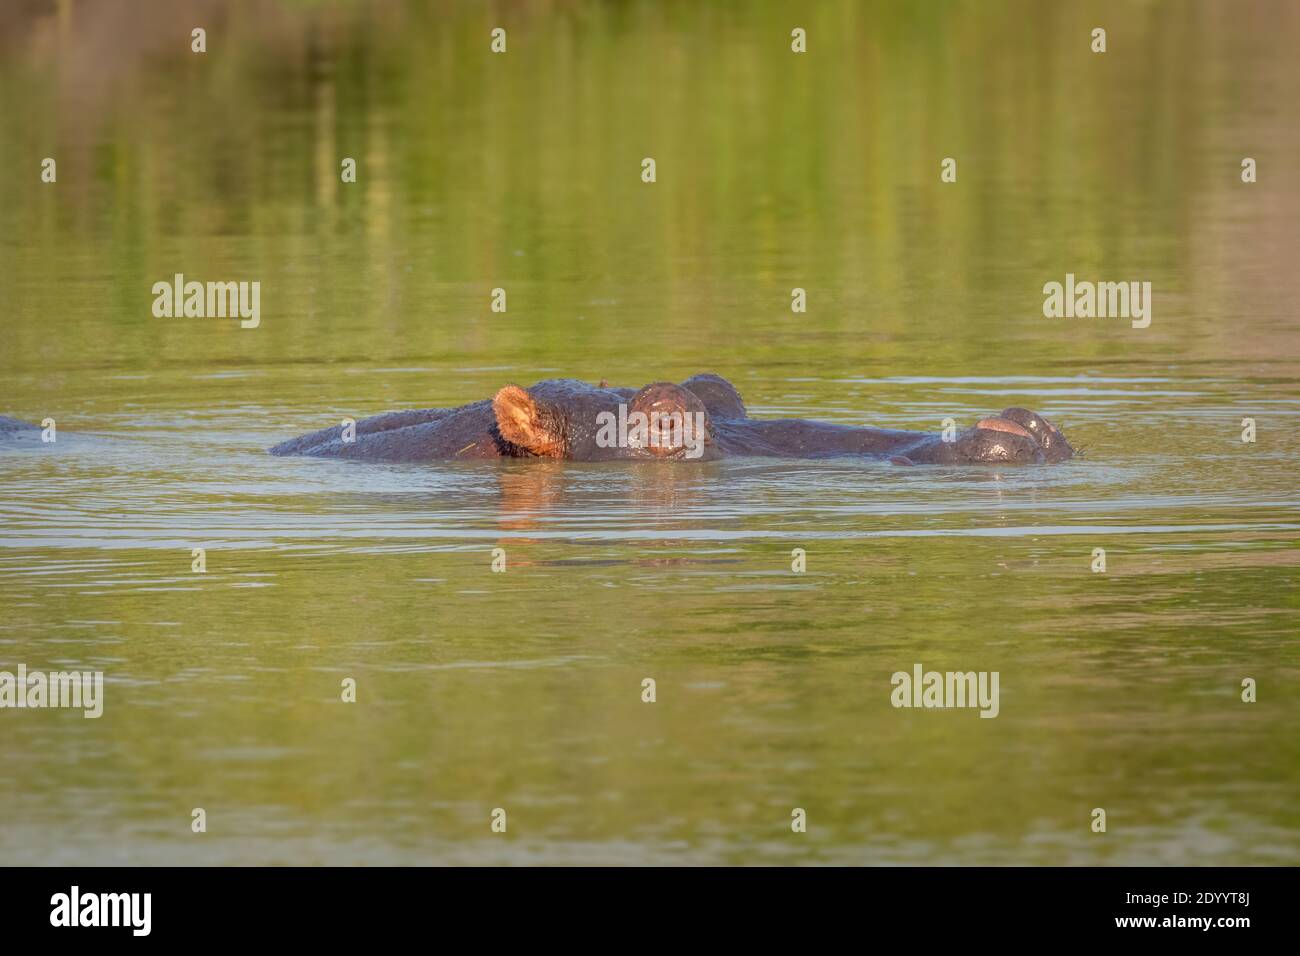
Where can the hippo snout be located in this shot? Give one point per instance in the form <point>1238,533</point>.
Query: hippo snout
<point>1048,436</point>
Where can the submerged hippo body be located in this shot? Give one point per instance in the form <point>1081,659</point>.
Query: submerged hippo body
<point>1017,435</point>
<point>15,430</point>
<point>568,419</point>
<point>15,426</point>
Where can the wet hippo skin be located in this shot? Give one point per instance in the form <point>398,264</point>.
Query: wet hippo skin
<point>13,426</point>
<point>559,418</point>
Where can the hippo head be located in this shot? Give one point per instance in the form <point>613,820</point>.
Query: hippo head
<point>668,421</point>
<point>660,421</point>
<point>719,396</point>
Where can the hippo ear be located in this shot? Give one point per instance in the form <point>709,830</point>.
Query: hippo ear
<point>525,422</point>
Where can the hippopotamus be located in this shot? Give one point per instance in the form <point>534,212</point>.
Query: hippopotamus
<point>703,417</point>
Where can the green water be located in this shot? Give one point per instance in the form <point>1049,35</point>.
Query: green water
<point>522,690</point>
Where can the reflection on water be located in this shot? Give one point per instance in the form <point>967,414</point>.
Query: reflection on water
<point>522,690</point>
